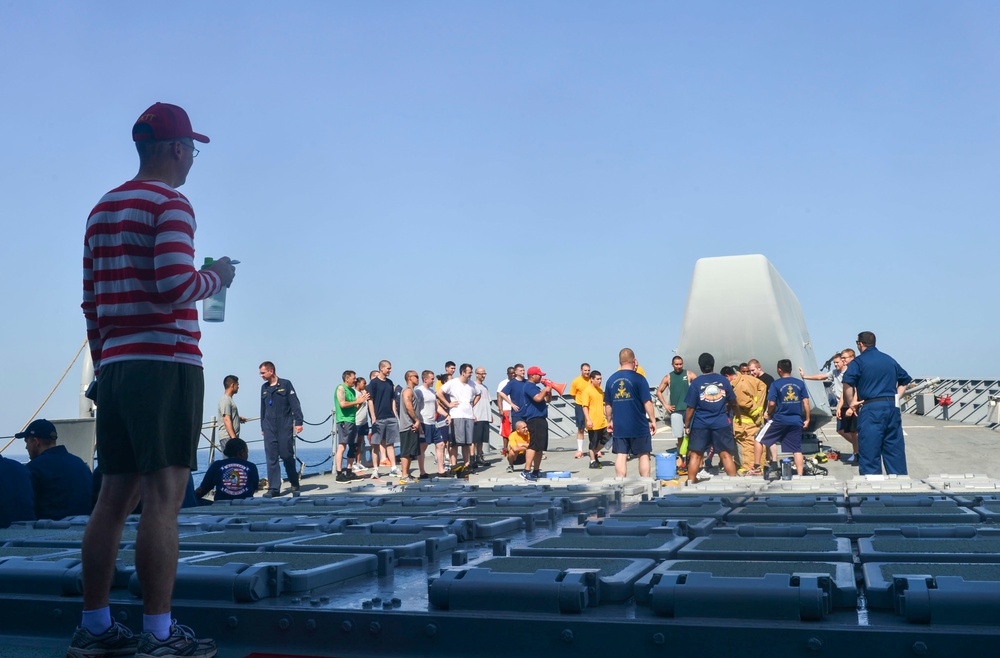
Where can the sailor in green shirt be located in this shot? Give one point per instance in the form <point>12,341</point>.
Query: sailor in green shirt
<point>346,404</point>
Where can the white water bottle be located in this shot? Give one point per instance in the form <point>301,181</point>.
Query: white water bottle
<point>213,309</point>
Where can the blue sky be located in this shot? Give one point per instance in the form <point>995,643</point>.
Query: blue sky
<point>512,181</point>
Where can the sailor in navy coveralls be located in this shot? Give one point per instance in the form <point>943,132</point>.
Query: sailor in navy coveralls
<point>875,379</point>
<point>280,420</point>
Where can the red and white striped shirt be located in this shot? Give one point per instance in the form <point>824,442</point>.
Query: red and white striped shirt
<point>140,284</point>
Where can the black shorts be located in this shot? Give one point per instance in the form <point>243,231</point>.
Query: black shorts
<point>481,432</point>
<point>409,444</point>
<point>598,438</point>
<point>848,424</point>
<point>150,416</point>
<point>538,428</point>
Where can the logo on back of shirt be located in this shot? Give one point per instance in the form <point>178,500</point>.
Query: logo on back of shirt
<point>235,479</point>
<point>622,393</point>
<point>790,394</point>
<point>712,393</point>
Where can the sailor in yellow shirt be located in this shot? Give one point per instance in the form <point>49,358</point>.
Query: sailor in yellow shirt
<point>751,396</point>
<point>517,443</point>
<point>576,389</point>
<point>593,411</point>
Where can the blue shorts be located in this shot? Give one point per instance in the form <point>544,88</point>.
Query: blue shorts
<point>790,437</point>
<point>431,433</point>
<point>581,420</point>
<point>641,446</point>
<point>700,439</point>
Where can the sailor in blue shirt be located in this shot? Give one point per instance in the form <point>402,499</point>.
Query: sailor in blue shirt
<point>514,393</point>
<point>871,383</point>
<point>787,415</point>
<point>628,406</point>
<point>710,402</point>
<point>61,481</point>
<point>17,501</point>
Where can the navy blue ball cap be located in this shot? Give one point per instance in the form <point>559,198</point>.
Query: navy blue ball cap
<point>41,429</point>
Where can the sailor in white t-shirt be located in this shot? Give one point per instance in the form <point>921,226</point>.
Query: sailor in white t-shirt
<point>459,396</point>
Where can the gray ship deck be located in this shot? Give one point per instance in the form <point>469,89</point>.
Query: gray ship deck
<point>492,565</point>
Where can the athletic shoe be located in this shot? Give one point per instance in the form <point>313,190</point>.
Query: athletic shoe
<point>374,474</point>
<point>116,641</point>
<point>537,474</point>
<point>425,476</point>
<point>394,471</point>
<point>702,476</point>
<point>682,470</point>
<point>510,469</point>
<point>271,493</point>
<point>850,460</point>
<point>343,477</point>
<point>295,492</point>
<point>458,469</point>
<point>528,476</point>
<point>595,464</point>
<point>180,642</point>
<point>407,480</point>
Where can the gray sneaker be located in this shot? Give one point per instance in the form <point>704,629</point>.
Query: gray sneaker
<point>116,641</point>
<point>181,642</point>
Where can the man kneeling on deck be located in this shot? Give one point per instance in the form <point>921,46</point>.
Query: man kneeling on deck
<point>517,445</point>
<point>787,413</point>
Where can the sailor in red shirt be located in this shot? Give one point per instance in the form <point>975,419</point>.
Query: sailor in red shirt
<point>140,286</point>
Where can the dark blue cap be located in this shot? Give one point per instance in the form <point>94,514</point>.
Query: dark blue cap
<point>41,429</point>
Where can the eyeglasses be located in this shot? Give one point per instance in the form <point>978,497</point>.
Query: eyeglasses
<point>194,151</point>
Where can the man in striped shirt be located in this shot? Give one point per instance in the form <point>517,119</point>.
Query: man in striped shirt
<point>140,286</point>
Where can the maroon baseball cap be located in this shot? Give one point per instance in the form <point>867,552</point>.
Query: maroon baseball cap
<point>167,122</point>
<point>535,370</point>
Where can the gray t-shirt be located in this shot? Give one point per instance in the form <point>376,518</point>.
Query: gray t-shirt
<point>227,407</point>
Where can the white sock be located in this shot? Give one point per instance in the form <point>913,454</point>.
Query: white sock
<point>158,625</point>
<point>97,621</point>
<point>579,445</point>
